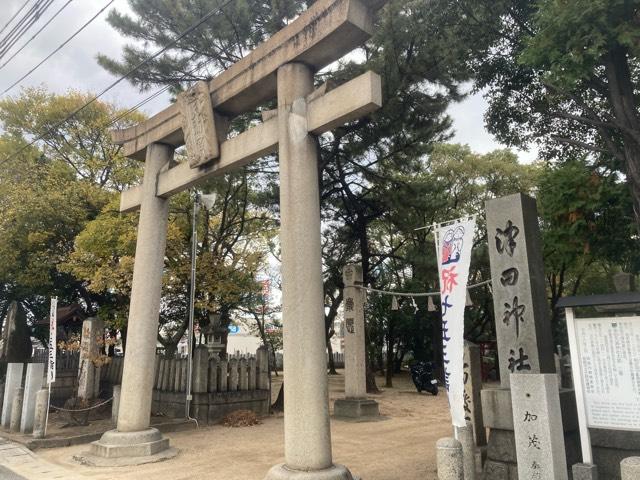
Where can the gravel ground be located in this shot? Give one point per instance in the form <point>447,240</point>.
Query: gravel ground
<point>399,445</point>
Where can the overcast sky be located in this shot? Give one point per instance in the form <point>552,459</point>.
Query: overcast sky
<point>75,67</point>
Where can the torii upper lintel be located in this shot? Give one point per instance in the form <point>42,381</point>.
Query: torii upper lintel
<point>321,35</point>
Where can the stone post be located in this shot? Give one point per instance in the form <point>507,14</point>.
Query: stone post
<point>585,471</point>
<point>262,359</point>
<point>307,436</point>
<point>630,468</point>
<point>537,420</point>
<point>472,364</point>
<point>178,375</point>
<point>355,404</point>
<point>134,414</point>
<point>252,373</point>
<point>467,441</point>
<point>32,384</point>
<point>90,344</point>
<point>184,372</point>
<point>223,379</point>
<point>12,381</point>
<point>16,409</point>
<point>40,417</point>
<point>200,369</point>
<point>244,379</point>
<point>213,374</point>
<point>115,403</point>
<point>233,375</point>
<point>449,459</point>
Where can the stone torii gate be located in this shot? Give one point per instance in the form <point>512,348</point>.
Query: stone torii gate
<point>281,67</point>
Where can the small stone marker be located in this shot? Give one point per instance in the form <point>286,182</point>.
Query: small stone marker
<point>449,459</point>
<point>16,409</point>
<point>200,369</point>
<point>223,377</point>
<point>233,375</point>
<point>537,421</point>
<point>262,359</point>
<point>115,403</point>
<point>32,384</point>
<point>40,417</point>
<point>12,381</point>
<point>523,327</point>
<point>472,364</point>
<point>630,468</point>
<point>213,374</point>
<point>90,345</point>
<point>244,379</point>
<point>355,404</point>
<point>252,374</point>
<point>467,440</point>
<point>585,471</point>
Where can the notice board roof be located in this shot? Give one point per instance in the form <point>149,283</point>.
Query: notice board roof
<point>623,298</point>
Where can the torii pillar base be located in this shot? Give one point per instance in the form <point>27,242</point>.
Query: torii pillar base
<point>122,449</point>
<point>335,472</point>
<point>360,409</point>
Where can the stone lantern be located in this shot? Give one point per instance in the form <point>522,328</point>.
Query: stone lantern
<point>213,335</point>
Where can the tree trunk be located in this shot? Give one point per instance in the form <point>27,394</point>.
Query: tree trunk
<point>332,363</point>
<point>625,110</point>
<point>389,365</point>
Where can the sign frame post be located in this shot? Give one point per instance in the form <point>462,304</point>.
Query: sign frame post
<point>576,374</point>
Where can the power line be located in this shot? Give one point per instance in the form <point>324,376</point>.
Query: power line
<point>126,75</point>
<point>36,34</point>
<point>23,26</point>
<point>60,47</point>
<point>14,16</point>
<point>21,21</point>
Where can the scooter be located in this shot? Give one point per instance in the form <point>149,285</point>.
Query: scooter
<point>422,376</point>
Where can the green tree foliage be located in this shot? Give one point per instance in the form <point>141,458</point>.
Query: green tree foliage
<point>563,75</point>
<point>50,191</point>
<point>588,231</point>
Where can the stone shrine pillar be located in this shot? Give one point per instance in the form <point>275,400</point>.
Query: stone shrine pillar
<point>12,381</point>
<point>523,328</point>
<point>133,437</point>
<point>307,435</point>
<point>90,344</point>
<point>355,404</point>
<point>32,384</point>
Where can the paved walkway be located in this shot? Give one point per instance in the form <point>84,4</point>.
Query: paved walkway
<point>19,463</point>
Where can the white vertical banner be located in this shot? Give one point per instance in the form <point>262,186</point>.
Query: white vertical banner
<point>53,324</point>
<point>453,243</point>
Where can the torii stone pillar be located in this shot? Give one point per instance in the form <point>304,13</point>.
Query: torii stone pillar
<point>134,437</point>
<point>282,66</point>
<point>307,436</point>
